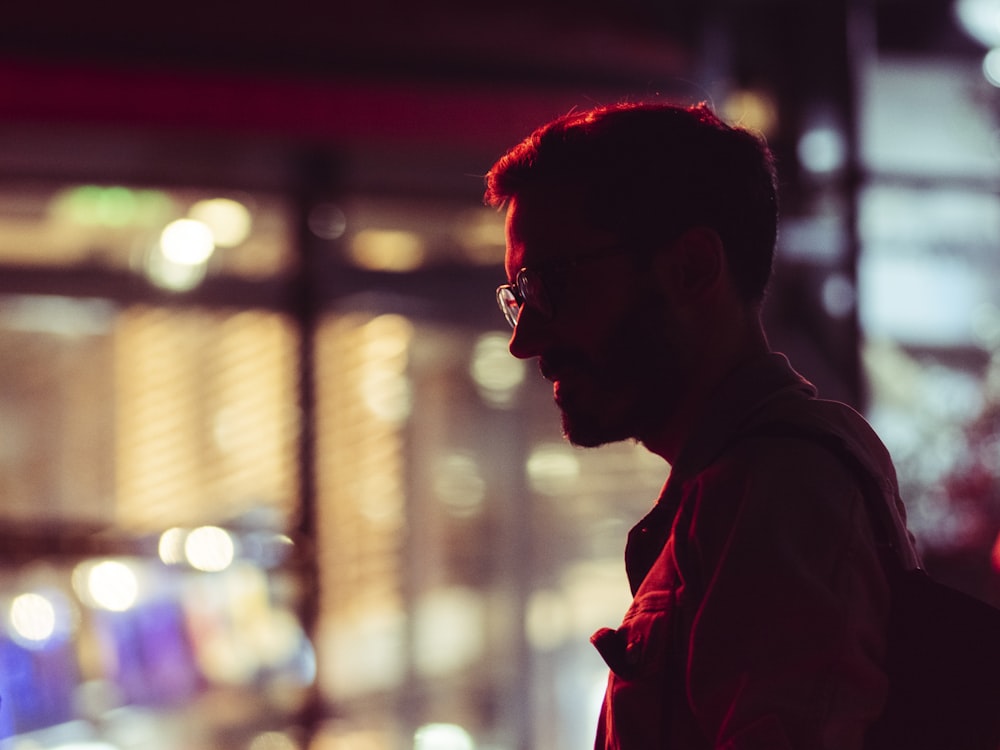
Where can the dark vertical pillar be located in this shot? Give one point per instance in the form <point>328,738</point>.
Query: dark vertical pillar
<point>809,56</point>
<point>315,180</point>
<point>860,49</point>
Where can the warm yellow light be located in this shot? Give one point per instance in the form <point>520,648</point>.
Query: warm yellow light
<point>497,374</point>
<point>78,204</point>
<point>177,277</point>
<point>552,469</point>
<point>480,233</point>
<point>385,387</point>
<point>229,220</point>
<point>273,741</point>
<point>387,250</point>
<point>754,110</point>
<point>459,485</point>
<point>548,620</point>
<point>171,547</point>
<point>336,737</point>
<point>366,652</point>
<point>448,628</point>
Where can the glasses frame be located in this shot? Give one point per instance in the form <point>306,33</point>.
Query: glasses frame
<point>533,286</point>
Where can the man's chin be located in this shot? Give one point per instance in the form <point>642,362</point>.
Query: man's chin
<point>585,433</point>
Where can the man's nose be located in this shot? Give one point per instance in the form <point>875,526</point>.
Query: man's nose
<point>531,334</point>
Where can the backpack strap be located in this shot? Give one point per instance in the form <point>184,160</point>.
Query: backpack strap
<point>872,490</point>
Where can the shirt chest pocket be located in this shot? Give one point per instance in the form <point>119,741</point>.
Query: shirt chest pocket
<point>638,650</point>
<point>636,707</point>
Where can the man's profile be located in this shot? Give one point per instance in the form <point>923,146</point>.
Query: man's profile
<point>640,243</point>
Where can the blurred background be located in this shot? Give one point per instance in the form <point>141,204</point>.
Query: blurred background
<point>269,479</point>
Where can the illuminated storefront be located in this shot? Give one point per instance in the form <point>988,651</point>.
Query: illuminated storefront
<point>269,479</point>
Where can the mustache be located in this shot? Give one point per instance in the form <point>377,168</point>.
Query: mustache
<point>552,364</point>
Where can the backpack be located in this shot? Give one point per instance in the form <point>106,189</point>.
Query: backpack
<point>943,650</point>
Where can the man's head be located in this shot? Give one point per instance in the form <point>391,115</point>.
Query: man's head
<point>624,224</point>
<point>646,172</point>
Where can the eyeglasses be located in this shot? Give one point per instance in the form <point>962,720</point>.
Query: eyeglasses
<point>537,288</point>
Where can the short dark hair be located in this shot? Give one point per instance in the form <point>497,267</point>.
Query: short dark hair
<point>649,171</point>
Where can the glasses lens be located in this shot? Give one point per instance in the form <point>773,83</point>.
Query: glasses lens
<point>532,291</point>
<point>509,305</point>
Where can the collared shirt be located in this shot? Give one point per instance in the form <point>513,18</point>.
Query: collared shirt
<point>760,603</point>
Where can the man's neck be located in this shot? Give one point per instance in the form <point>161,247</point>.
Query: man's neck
<point>704,382</point>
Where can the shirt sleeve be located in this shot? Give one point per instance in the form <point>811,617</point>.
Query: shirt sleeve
<point>787,630</point>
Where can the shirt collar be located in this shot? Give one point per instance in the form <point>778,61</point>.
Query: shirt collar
<point>746,390</point>
<point>743,392</point>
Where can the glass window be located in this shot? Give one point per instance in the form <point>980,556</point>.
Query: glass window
<point>150,565</point>
<point>929,224</point>
<point>466,551</point>
<point>172,236</point>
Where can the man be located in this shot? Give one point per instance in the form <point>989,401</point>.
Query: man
<point>640,240</point>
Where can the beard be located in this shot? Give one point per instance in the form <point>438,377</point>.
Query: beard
<point>628,388</point>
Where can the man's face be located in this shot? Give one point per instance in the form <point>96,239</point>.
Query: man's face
<point>609,347</point>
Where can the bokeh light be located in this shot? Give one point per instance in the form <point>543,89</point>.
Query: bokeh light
<point>822,150</point>
<point>980,19</point>
<point>991,66</point>
<point>480,234</point>
<point>171,546</point>
<point>230,221</point>
<point>442,737</point>
<point>751,109</point>
<point>112,206</point>
<point>838,295</point>
<point>387,250</point>
<point>209,549</point>
<point>497,374</point>
<point>459,484</point>
<point>108,584</point>
<point>327,221</point>
<point>187,242</point>
<point>448,629</point>
<point>32,618</point>
<point>386,389</point>
<point>168,274</point>
<point>273,741</point>
<point>548,620</point>
<point>552,469</point>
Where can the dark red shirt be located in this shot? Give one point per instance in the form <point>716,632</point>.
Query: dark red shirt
<point>760,603</point>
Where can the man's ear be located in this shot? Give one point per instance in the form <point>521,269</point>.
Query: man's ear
<point>692,264</point>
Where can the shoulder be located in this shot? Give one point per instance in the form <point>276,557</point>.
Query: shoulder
<point>836,426</point>
<point>773,493</point>
<point>777,463</point>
